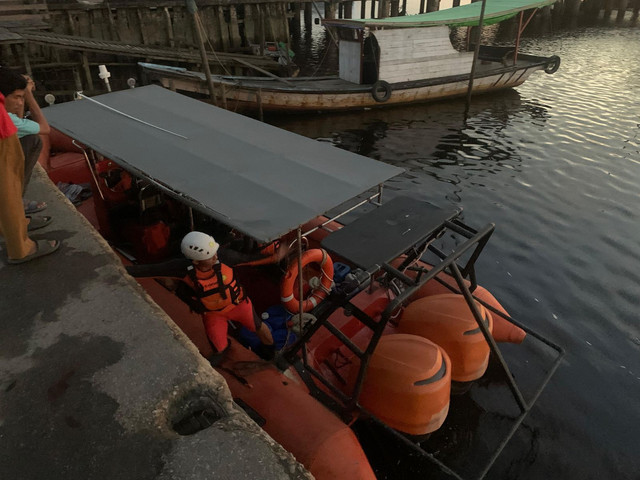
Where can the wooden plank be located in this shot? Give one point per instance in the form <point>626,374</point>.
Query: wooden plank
<point>223,29</point>
<point>33,7</point>
<point>7,36</point>
<point>34,17</point>
<point>72,24</point>
<point>169,24</point>
<point>112,24</point>
<point>410,52</point>
<point>156,4</point>
<point>250,15</point>
<point>141,26</point>
<point>234,29</point>
<point>456,57</point>
<point>441,68</point>
<point>87,70</point>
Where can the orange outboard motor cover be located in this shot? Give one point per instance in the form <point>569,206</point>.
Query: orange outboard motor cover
<point>447,320</point>
<point>408,383</point>
<point>503,330</point>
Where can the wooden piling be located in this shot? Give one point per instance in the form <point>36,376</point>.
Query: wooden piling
<point>169,25</point>
<point>87,70</point>
<point>77,79</point>
<point>295,21</point>
<point>348,10</point>
<point>259,102</point>
<point>26,61</point>
<point>308,16</point>
<point>330,10</point>
<point>383,9</point>
<point>622,9</point>
<point>158,24</point>
<point>234,28</point>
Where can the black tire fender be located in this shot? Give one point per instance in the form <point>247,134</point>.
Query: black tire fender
<point>552,64</point>
<point>381,91</point>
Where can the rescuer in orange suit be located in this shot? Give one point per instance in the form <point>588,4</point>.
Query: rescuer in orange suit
<point>211,289</point>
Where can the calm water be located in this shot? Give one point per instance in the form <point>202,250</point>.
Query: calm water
<point>556,165</point>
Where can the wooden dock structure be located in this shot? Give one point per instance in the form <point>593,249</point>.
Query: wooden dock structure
<point>61,39</point>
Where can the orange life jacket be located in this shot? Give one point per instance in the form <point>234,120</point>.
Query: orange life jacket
<point>217,289</point>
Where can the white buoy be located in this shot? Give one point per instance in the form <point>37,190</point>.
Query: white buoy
<point>104,75</point>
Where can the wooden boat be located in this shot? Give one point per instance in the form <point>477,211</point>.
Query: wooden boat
<point>162,164</point>
<point>391,61</point>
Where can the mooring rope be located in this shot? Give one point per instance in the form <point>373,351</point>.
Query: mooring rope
<point>81,95</point>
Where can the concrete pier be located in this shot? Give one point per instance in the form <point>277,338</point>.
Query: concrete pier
<point>96,382</point>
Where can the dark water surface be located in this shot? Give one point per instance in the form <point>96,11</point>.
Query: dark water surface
<point>556,165</point>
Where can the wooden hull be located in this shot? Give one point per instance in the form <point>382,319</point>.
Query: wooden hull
<point>333,94</point>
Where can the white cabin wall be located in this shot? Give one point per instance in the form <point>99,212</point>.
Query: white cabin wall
<point>350,61</point>
<point>408,54</point>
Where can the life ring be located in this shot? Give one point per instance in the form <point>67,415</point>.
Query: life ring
<point>552,65</point>
<point>381,91</point>
<point>287,297</point>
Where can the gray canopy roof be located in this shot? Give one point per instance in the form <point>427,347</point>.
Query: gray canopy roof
<point>259,179</point>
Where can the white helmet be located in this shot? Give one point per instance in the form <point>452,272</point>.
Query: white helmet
<point>199,246</point>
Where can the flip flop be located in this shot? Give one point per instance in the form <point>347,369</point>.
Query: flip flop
<point>31,206</point>
<point>43,247</point>
<point>38,221</point>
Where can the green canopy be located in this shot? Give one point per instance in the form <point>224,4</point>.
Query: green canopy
<point>463,16</point>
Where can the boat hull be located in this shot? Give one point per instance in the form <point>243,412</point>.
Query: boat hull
<point>333,95</point>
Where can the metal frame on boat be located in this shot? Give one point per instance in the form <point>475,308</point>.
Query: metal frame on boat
<point>425,223</point>
<point>271,184</point>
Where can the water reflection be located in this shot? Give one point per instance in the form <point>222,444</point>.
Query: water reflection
<point>433,140</point>
<point>555,165</point>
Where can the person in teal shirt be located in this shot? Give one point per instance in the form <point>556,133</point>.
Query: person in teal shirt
<point>18,92</point>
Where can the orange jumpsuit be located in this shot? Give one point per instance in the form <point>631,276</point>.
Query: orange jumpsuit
<point>224,300</point>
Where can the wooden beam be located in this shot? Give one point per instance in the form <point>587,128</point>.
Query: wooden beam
<point>169,23</point>
<point>87,70</point>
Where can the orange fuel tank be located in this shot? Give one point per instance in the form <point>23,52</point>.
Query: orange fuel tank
<point>408,383</point>
<point>447,320</point>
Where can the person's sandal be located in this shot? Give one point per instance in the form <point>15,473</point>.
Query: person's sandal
<point>37,221</point>
<point>31,206</point>
<point>43,247</point>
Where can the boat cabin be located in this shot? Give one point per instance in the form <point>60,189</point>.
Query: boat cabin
<point>416,47</point>
<point>400,55</point>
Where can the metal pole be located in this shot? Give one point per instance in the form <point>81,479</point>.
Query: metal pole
<point>193,10</point>
<point>300,286</point>
<point>515,54</point>
<point>475,57</point>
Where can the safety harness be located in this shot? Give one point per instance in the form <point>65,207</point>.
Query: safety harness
<point>214,285</point>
